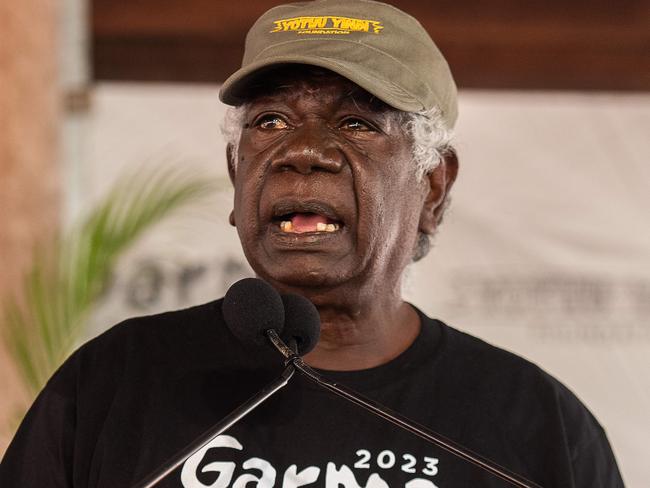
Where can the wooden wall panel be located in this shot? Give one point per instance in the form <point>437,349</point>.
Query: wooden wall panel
<point>30,179</point>
<point>551,44</point>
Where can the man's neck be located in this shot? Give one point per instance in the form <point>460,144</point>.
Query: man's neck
<point>364,338</point>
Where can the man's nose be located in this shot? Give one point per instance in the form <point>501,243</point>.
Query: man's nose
<point>310,148</point>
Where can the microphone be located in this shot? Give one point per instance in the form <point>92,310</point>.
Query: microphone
<point>250,308</point>
<point>301,323</point>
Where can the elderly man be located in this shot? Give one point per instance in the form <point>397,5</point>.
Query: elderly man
<point>339,153</point>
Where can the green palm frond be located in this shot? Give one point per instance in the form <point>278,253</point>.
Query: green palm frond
<point>45,319</point>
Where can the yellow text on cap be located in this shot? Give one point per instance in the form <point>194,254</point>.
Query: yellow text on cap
<point>326,24</point>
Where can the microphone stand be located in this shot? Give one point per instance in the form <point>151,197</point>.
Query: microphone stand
<point>218,428</point>
<point>295,361</point>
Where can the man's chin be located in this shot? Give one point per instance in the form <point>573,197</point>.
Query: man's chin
<point>296,278</point>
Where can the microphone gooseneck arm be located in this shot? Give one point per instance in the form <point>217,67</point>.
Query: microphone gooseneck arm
<point>218,428</point>
<point>292,359</point>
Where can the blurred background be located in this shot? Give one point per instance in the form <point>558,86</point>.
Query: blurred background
<point>544,251</point>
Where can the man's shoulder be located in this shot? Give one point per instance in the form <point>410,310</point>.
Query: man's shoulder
<point>173,321</point>
<point>508,382</point>
<point>163,338</point>
<point>489,360</point>
<point>181,340</point>
<point>160,330</point>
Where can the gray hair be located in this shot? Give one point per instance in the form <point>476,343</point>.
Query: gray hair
<point>432,140</point>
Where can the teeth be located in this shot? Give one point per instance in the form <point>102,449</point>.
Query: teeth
<point>286,226</point>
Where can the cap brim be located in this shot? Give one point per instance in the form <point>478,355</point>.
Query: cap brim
<point>234,90</point>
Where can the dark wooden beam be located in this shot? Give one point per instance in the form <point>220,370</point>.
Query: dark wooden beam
<point>550,44</point>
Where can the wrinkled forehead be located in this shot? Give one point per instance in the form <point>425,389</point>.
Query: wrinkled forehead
<point>290,81</point>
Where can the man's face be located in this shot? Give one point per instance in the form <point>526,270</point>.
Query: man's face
<point>325,191</point>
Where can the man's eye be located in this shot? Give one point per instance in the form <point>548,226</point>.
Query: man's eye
<point>354,124</point>
<point>271,122</point>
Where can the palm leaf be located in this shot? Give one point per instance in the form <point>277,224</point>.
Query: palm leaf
<point>45,320</point>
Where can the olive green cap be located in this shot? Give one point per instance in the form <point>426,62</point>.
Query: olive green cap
<point>377,46</point>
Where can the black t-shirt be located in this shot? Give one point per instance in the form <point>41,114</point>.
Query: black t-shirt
<point>131,398</point>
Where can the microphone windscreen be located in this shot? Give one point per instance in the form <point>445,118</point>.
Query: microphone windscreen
<point>251,307</point>
<point>301,322</point>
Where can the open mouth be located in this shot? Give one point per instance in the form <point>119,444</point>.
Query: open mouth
<point>306,217</point>
<point>299,223</point>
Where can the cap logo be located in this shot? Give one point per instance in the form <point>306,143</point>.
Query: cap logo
<point>326,25</point>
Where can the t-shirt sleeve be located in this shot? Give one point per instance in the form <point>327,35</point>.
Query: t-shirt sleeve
<point>594,465</point>
<point>592,460</point>
<point>42,450</point>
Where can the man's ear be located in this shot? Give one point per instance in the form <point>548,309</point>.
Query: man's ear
<point>230,159</point>
<point>439,181</point>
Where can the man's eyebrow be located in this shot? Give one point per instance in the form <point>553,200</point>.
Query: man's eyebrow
<point>354,100</point>
<point>364,101</point>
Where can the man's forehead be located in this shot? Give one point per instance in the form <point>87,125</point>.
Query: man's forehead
<point>290,81</point>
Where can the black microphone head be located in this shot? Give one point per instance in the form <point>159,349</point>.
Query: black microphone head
<point>251,307</point>
<point>301,322</point>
